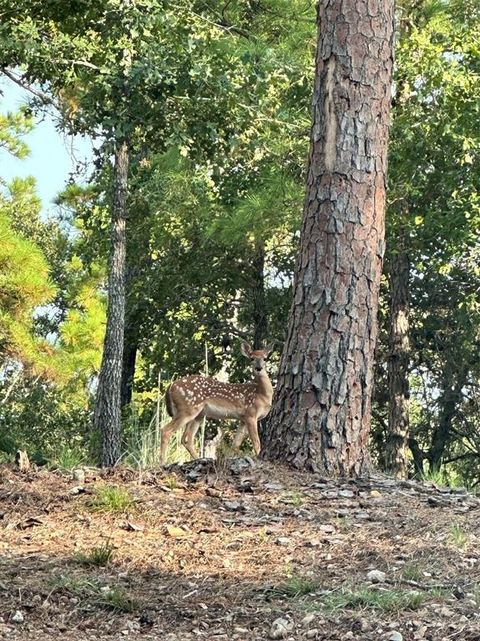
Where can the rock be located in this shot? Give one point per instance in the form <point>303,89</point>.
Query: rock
<point>280,629</point>
<point>311,634</point>
<point>327,528</point>
<point>363,516</point>
<point>234,506</point>
<point>376,576</point>
<point>446,612</point>
<point>240,465</point>
<point>313,543</point>
<point>395,636</point>
<point>273,487</point>
<point>346,494</point>
<point>308,618</point>
<point>283,540</point>
<point>458,592</point>
<point>78,476</point>
<point>375,494</point>
<point>18,617</point>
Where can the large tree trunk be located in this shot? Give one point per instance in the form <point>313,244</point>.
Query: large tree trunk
<point>107,410</point>
<point>321,414</point>
<point>260,327</point>
<point>396,445</point>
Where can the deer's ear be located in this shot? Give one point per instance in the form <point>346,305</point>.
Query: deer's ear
<point>269,348</point>
<point>246,349</point>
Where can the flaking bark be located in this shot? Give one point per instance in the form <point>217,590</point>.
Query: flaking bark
<point>321,414</point>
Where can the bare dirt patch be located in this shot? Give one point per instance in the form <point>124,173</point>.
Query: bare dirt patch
<point>206,553</point>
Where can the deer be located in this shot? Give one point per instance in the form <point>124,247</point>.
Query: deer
<point>191,398</point>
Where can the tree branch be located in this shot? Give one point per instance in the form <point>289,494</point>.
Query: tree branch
<point>18,80</point>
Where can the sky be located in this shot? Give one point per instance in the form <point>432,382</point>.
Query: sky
<point>52,155</point>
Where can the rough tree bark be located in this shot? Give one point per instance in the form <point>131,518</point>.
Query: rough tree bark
<point>321,414</point>
<point>107,417</point>
<point>396,446</point>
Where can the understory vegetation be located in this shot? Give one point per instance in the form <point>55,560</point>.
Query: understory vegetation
<point>219,128</point>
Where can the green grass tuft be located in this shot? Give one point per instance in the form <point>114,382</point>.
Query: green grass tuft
<point>295,586</point>
<point>111,499</point>
<point>98,556</point>
<point>394,600</point>
<point>412,571</point>
<point>457,536</point>
<point>117,599</point>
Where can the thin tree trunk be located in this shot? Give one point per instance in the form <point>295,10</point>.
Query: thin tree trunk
<point>107,409</point>
<point>260,321</point>
<point>449,400</point>
<point>396,446</point>
<point>321,414</point>
<point>130,349</point>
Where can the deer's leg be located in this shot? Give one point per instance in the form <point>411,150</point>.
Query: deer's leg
<point>188,438</point>
<point>175,424</point>
<point>252,427</point>
<point>239,437</point>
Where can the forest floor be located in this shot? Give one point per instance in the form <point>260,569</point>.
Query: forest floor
<point>242,551</point>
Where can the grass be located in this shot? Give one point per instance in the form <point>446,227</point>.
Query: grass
<point>412,571</point>
<point>295,586</point>
<point>106,597</point>
<point>443,478</point>
<point>292,498</point>
<point>394,600</point>
<point>117,599</point>
<point>143,441</point>
<point>111,499</point>
<point>457,536</point>
<point>171,481</point>
<point>98,556</point>
<point>342,524</point>
<point>67,458</point>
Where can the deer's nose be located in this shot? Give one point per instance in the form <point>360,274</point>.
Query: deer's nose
<point>259,369</point>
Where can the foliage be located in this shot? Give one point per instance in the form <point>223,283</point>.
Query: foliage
<point>216,101</point>
<point>434,216</point>
<point>24,285</point>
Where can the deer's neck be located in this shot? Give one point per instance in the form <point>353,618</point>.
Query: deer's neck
<point>263,385</point>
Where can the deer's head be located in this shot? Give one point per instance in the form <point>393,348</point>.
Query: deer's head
<point>257,357</point>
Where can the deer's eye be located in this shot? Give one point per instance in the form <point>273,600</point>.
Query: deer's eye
<point>252,358</point>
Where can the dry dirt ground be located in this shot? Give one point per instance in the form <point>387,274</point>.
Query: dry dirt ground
<point>219,553</point>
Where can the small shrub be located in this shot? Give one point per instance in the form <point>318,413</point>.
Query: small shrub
<point>112,499</point>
